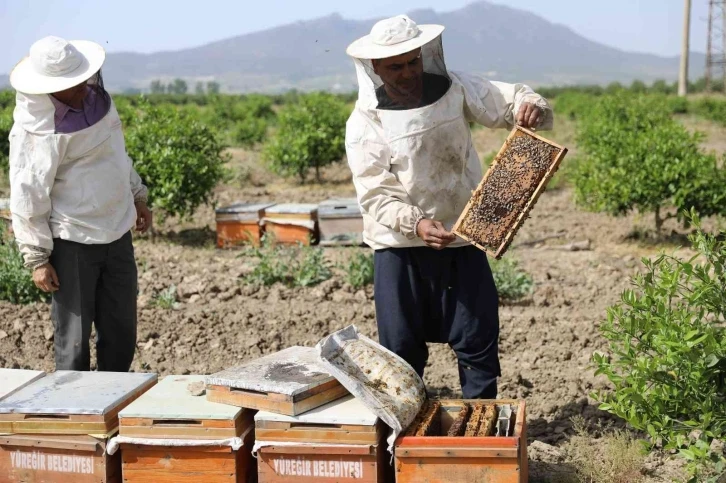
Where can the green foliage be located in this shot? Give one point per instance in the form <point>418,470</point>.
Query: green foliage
<point>667,350</point>
<point>180,159</point>
<point>166,299</point>
<point>638,157</point>
<point>311,134</point>
<point>294,266</point>
<point>6,123</point>
<point>16,282</point>
<point>359,272</point>
<point>7,98</point>
<point>711,109</point>
<point>511,282</point>
<point>246,117</point>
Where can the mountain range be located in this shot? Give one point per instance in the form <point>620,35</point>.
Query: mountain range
<point>500,42</point>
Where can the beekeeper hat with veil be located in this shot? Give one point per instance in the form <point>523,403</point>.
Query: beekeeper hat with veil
<point>397,60</point>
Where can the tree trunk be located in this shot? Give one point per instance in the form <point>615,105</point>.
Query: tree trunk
<point>658,220</point>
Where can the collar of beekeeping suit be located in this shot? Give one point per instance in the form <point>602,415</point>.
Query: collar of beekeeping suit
<point>389,38</point>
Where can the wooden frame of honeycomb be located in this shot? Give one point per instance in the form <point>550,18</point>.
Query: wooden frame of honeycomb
<point>509,190</point>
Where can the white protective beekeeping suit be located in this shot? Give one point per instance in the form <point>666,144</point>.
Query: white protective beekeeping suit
<point>78,187</point>
<point>409,164</point>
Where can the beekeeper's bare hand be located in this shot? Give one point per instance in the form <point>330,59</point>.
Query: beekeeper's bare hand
<point>144,217</point>
<point>45,278</point>
<point>529,115</point>
<point>434,234</point>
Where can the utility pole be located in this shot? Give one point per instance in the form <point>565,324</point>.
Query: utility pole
<point>716,43</point>
<point>683,77</point>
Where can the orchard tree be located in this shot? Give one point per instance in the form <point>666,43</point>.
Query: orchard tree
<point>310,135</point>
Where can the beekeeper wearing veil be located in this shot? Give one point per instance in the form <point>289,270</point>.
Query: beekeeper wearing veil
<point>74,197</point>
<point>414,167</point>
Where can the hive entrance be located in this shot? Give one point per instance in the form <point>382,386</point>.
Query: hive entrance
<point>464,419</point>
<point>510,188</point>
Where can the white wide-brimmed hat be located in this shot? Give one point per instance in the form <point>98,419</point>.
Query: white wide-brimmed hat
<point>55,64</point>
<point>393,36</point>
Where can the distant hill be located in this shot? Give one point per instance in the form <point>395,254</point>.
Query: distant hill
<point>498,41</point>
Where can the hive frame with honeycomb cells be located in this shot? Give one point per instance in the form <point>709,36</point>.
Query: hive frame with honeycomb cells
<point>512,230</point>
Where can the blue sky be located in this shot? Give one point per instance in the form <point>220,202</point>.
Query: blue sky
<point>652,26</point>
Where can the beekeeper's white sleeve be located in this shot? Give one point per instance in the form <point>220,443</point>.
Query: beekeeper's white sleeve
<point>380,194</point>
<point>140,192</point>
<point>496,104</point>
<point>34,160</point>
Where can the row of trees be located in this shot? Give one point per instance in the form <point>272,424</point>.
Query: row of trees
<point>180,87</point>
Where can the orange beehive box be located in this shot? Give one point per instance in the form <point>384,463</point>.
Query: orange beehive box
<point>240,223</point>
<point>26,458</point>
<point>432,456</point>
<point>57,427</point>
<point>341,441</point>
<point>292,223</point>
<point>192,437</point>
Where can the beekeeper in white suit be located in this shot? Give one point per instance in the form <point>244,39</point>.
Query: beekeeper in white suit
<point>414,167</point>
<point>74,197</point>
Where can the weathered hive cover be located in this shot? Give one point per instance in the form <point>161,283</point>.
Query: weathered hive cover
<point>292,209</point>
<point>242,211</point>
<point>510,188</point>
<point>171,399</point>
<point>12,380</point>
<point>290,372</point>
<point>347,410</point>
<point>339,208</point>
<point>77,392</point>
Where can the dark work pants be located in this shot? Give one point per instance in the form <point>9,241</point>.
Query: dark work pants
<point>98,285</point>
<point>448,296</point>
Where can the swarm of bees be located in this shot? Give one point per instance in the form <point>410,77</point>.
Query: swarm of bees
<point>505,194</point>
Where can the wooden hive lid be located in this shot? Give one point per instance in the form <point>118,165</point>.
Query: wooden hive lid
<point>292,209</point>
<point>12,380</point>
<point>77,392</point>
<point>290,372</point>
<point>339,208</point>
<point>170,399</point>
<point>252,208</point>
<point>347,410</point>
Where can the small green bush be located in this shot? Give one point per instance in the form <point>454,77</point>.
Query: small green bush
<point>294,266</point>
<point>511,282</point>
<point>637,157</point>
<point>180,159</point>
<point>310,135</point>
<point>6,123</point>
<point>666,356</point>
<point>16,282</point>
<point>166,299</point>
<point>359,272</point>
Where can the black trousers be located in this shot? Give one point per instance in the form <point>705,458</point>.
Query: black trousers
<point>448,296</point>
<point>98,285</point>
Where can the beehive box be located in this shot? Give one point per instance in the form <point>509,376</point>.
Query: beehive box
<point>288,382</point>
<point>340,222</point>
<point>509,190</point>
<point>56,428</point>
<point>168,414</point>
<point>240,223</point>
<point>455,441</point>
<point>292,223</point>
<point>12,380</point>
<point>341,441</point>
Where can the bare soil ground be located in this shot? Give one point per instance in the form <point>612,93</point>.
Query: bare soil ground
<point>547,340</point>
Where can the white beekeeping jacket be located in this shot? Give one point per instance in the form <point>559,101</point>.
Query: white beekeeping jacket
<point>421,162</point>
<point>78,187</point>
